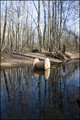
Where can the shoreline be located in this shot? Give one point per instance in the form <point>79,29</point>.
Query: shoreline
<point>9,60</point>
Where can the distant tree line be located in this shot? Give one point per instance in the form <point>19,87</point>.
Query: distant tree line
<point>21,32</point>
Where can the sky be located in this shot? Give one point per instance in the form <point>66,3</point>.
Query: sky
<point>73,22</point>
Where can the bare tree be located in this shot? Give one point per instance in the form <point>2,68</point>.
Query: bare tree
<point>58,28</point>
<point>44,33</point>
<point>61,2</point>
<point>39,30</point>
<point>5,23</point>
<point>21,30</point>
<point>55,25</point>
<point>48,42</point>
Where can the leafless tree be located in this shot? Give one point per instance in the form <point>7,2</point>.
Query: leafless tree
<point>44,33</point>
<point>44,24</point>
<point>5,24</point>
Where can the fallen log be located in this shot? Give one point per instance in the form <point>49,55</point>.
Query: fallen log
<point>41,64</point>
<point>57,55</point>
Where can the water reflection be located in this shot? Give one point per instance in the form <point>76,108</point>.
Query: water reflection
<point>40,94</point>
<point>45,73</point>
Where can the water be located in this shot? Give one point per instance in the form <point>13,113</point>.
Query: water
<point>37,95</point>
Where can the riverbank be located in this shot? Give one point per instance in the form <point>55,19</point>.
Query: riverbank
<point>20,59</point>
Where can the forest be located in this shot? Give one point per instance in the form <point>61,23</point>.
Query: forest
<point>42,25</point>
<point>40,59</point>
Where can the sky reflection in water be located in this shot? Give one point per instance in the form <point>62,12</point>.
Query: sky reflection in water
<point>37,94</point>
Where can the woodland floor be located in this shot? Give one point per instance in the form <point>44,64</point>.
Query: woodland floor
<point>20,59</point>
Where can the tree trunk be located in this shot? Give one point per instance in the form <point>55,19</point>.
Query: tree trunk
<point>60,23</point>
<point>19,25</point>
<point>4,30</point>
<point>64,49</point>
<point>39,30</point>
<point>55,25</point>
<point>44,33</point>
<point>58,27</point>
<point>52,26</point>
<point>48,24</point>
<point>12,30</point>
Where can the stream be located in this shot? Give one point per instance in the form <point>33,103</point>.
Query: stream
<point>50,94</point>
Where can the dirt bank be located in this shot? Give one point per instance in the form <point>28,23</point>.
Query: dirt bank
<point>19,59</point>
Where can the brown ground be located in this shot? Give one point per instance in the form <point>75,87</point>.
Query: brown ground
<point>73,55</point>
<point>19,59</point>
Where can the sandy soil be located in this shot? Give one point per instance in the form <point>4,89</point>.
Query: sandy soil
<point>19,59</point>
<point>73,55</point>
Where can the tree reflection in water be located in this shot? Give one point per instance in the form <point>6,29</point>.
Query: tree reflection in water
<point>40,94</point>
